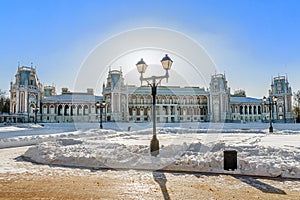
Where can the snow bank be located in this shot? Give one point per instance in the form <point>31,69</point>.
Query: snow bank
<point>184,147</point>
<point>95,150</point>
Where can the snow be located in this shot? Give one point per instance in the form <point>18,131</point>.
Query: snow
<point>183,147</point>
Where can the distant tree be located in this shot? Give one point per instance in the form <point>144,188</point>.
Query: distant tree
<point>2,93</point>
<point>296,108</point>
<point>4,102</point>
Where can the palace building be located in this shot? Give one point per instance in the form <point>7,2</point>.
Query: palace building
<point>31,100</point>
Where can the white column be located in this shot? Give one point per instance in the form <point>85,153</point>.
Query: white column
<point>112,103</point>
<point>26,102</point>
<point>160,112</point>
<point>18,101</point>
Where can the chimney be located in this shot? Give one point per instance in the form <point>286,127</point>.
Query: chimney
<point>90,91</point>
<point>64,90</point>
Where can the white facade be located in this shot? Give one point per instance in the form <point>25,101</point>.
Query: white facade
<point>131,103</point>
<point>25,94</point>
<point>134,104</point>
<point>283,109</point>
<point>219,94</point>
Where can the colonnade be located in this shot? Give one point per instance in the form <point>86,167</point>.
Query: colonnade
<point>69,112</point>
<point>246,112</point>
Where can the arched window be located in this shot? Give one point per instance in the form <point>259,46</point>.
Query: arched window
<point>108,107</point>
<point>149,100</point>
<point>191,111</point>
<point>133,99</point>
<point>85,110</point>
<point>45,111</point>
<point>93,109</point>
<point>164,111</point>
<point>73,107</point>
<point>67,110</point>
<point>14,108</point>
<point>59,110</point>
<point>191,101</point>
<point>52,110</point>
<point>134,112</point>
<point>79,110</point>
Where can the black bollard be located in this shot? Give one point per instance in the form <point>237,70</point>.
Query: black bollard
<point>230,160</point>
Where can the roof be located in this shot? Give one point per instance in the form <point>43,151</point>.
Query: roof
<point>244,100</point>
<point>115,78</point>
<point>165,90</point>
<point>73,98</point>
<point>24,77</point>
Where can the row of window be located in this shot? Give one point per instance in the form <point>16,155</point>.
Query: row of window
<point>246,109</point>
<point>167,101</point>
<point>165,111</point>
<point>68,110</point>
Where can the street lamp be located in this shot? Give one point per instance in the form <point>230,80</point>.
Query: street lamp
<point>100,105</point>
<point>271,102</point>
<point>35,110</point>
<point>153,82</point>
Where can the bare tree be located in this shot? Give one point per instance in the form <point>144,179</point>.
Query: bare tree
<point>2,92</point>
<point>4,102</point>
<point>296,108</point>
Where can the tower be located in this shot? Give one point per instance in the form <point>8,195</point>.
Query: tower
<point>49,91</point>
<point>115,96</point>
<point>281,89</point>
<point>219,97</point>
<point>25,94</point>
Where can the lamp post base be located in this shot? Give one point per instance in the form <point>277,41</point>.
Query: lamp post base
<point>154,146</point>
<point>271,129</point>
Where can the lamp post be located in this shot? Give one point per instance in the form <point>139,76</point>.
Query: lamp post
<point>36,109</point>
<point>153,82</point>
<point>100,105</point>
<point>271,102</point>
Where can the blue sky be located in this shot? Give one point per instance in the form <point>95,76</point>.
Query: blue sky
<point>250,41</point>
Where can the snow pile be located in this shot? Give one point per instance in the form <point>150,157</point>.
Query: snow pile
<point>72,152</point>
<point>252,160</point>
<point>97,152</point>
<point>184,147</point>
<point>30,140</point>
<point>31,134</point>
